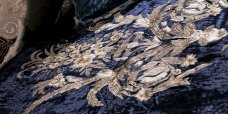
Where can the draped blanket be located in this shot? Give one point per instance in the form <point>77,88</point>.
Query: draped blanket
<point>129,65</point>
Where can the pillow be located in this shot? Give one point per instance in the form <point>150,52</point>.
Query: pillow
<point>36,17</point>
<point>12,17</point>
<point>89,9</point>
<point>86,10</point>
<point>20,16</point>
<point>93,8</point>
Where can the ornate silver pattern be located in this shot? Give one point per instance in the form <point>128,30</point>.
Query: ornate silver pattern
<point>145,63</point>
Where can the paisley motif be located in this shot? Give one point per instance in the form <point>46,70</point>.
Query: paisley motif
<point>9,28</point>
<point>12,15</point>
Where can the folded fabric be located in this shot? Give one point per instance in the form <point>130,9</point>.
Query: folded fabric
<point>21,17</point>
<point>88,8</point>
<point>12,18</point>
<point>125,63</point>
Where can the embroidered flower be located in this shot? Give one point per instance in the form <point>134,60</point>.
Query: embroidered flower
<point>203,38</point>
<point>53,65</point>
<point>142,95</point>
<point>155,60</point>
<point>83,61</point>
<point>96,46</point>
<point>189,60</point>
<point>58,81</point>
<point>176,72</point>
<point>211,35</point>
<point>214,10</point>
<point>203,35</point>
<point>100,52</point>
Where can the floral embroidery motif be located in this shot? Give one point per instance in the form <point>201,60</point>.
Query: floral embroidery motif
<point>144,64</point>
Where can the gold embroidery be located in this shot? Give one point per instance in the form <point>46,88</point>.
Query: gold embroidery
<point>158,63</point>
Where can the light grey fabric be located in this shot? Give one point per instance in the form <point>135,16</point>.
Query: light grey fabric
<point>20,16</point>
<point>12,17</point>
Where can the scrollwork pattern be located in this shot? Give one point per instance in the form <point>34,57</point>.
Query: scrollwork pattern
<point>12,15</point>
<point>130,63</point>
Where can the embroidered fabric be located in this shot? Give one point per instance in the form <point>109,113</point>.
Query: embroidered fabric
<point>135,55</point>
<point>37,17</point>
<point>12,17</point>
<point>122,65</point>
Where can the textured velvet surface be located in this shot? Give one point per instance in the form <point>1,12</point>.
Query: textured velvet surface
<point>51,72</point>
<point>89,8</point>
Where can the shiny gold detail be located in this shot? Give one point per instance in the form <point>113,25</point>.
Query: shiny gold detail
<point>158,58</point>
